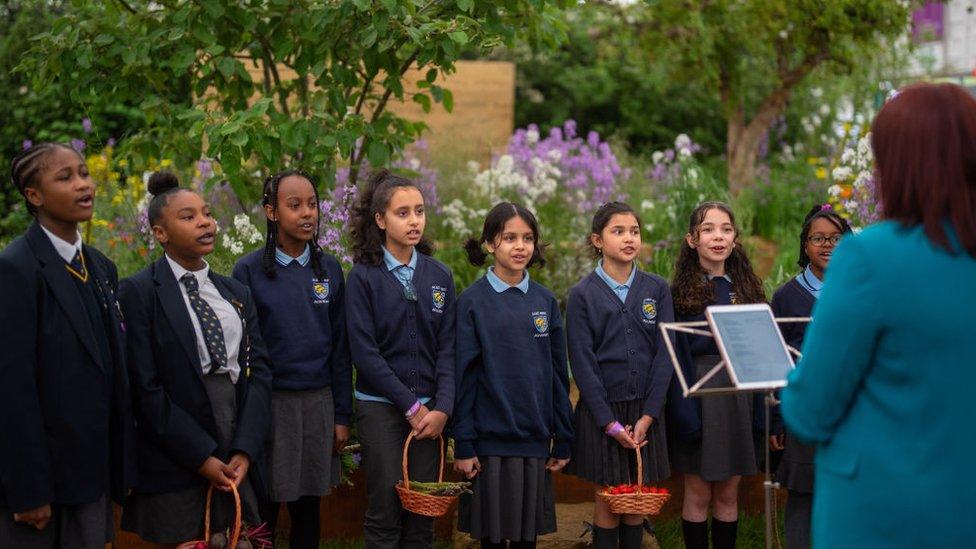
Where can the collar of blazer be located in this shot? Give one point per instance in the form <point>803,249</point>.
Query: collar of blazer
<point>174,307</point>
<point>63,289</point>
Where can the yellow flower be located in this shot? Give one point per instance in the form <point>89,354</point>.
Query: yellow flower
<point>165,163</point>
<point>821,173</point>
<point>813,160</point>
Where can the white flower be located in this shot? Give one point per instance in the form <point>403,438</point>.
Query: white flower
<point>851,205</point>
<point>841,173</point>
<point>532,137</point>
<point>816,92</point>
<point>414,164</point>
<point>473,166</point>
<point>862,179</point>
<point>834,190</point>
<point>847,157</point>
<point>657,157</point>
<point>693,174</point>
<point>555,155</point>
<point>682,141</point>
<point>647,205</point>
<point>649,227</point>
<point>783,34</point>
<point>685,153</point>
<point>825,109</point>
<point>145,177</point>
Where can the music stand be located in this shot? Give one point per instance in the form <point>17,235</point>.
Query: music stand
<point>697,390</point>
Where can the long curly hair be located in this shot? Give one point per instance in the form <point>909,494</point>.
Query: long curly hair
<point>691,289</point>
<point>367,237</point>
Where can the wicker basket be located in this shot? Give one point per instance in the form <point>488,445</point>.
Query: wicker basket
<point>420,503</point>
<point>638,503</point>
<point>235,534</point>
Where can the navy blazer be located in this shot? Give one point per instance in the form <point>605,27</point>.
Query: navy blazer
<point>55,390</point>
<point>176,430</point>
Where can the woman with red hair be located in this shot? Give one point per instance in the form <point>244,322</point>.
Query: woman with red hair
<point>888,376</point>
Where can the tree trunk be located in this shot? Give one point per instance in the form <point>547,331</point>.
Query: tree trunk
<point>744,140</point>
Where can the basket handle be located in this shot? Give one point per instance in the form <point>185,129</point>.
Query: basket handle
<point>640,470</point>
<point>406,447</point>
<point>235,536</point>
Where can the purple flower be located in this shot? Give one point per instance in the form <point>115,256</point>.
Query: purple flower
<point>27,144</point>
<point>86,125</point>
<point>111,142</point>
<point>78,145</point>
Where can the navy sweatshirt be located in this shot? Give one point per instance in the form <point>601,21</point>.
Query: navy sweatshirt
<point>303,326</point>
<point>513,380</point>
<point>684,414</point>
<point>615,349</point>
<point>790,300</point>
<point>403,350</point>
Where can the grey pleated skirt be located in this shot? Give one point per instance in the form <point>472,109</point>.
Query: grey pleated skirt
<point>726,448</point>
<point>301,444</point>
<point>795,470</point>
<point>601,459</point>
<point>512,500</point>
<point>176,517</point>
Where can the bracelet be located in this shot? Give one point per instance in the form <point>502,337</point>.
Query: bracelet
<point>614,428</point>
<point>413,409</point>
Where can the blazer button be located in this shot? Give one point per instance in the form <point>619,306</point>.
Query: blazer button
<point>633,352</point>
<point>623,310</point>
<point>414,389</point>
<point>633,372</point>
<point>413,335</point>
<point>413,372</point>
<point>630,330</point>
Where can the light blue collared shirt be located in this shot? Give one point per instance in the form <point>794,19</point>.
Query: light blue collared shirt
<point>404,274</point>
<point>284,259</point>
<point>620,289</point>
<point>725,276</point>
<point>500,285</point>
<point>810,282</point>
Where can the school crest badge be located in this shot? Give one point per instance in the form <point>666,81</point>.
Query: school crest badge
<point>438,296</point>
<point>541,322</point>
<point>320,289</point>
<point>649,309</point>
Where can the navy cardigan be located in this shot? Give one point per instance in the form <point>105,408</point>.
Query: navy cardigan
<point>66,425</point>
<point>790,300</point>
<point>512,374</point>
<point>403,350</point>
<point>615,349</point>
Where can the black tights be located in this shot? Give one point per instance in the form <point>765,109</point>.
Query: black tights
<point>305,526</point>
<point>505,544</point>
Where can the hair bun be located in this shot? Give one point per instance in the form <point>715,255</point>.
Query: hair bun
<point>160,182</point>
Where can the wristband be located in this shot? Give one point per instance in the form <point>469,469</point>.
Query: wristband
<point>614,428</point>
<point>413,409</point>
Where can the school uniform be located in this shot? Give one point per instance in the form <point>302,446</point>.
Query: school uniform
<point>796,298</point>
<point>400,320</point>
<point>513,411</point>
<point>622,369</point>
<point>302,320</point>
<point>710,436</point>
<point>67,427</point>
<point>202,389</point>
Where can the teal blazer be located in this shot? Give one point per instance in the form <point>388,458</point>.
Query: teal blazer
<point>887,390</point>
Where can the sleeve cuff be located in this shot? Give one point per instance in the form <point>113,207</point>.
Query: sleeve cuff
<point>560,450</point>
<point>343,419</point>
<point>464,449</point>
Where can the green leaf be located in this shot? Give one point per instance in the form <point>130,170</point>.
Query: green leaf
<point>448,100</point>
<point>240,138</point>
<point>377,153</point>
<point>104,39</point>
<point>369,38</point>
<point>465,5</point>
<point>226,66</point>
<point>423,101</point>
<point>459,36</point>
<point>431,75</point>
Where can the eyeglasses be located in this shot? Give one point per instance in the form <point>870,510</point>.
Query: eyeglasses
<point>820,240</point>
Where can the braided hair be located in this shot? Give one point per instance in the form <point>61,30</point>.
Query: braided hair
<point>819,212</point>
<point>27,165</point>
<point>269,197</point>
